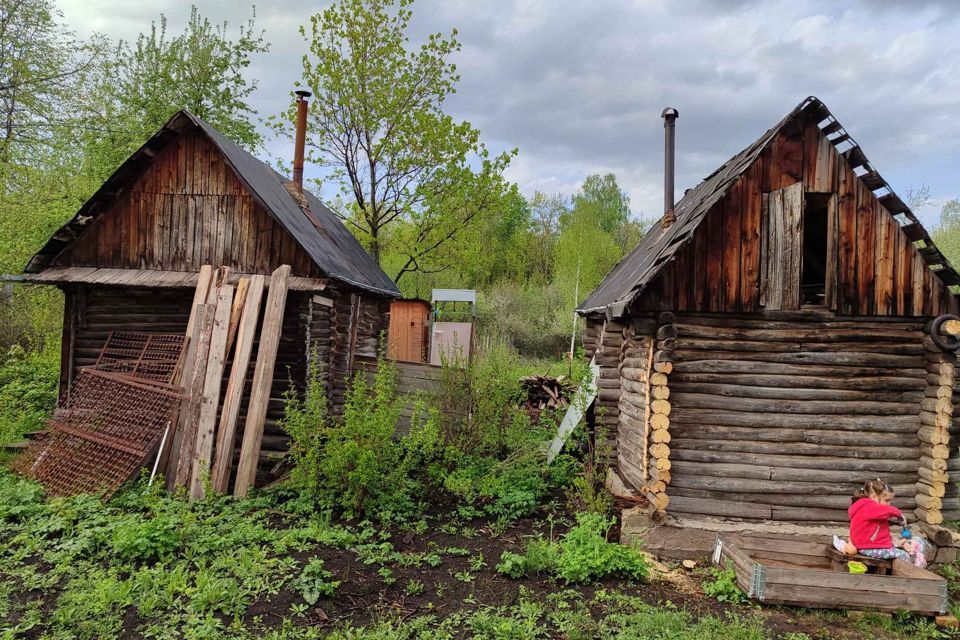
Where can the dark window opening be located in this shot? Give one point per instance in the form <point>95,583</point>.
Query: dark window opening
<point>814,269</point>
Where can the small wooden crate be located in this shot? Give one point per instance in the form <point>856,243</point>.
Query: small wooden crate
<point>783,571</point>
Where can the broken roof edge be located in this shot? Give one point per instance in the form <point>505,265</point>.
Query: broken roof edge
<point>853,154</point>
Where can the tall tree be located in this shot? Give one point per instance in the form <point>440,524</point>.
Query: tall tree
<point>377,121</point>
<point>141,84</point>
<point>42,70</point>
<point>947,232</point>
<point>594,235</point>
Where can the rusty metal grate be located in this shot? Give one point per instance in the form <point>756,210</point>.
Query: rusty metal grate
<point>151,356</point>
<point>109,427</point>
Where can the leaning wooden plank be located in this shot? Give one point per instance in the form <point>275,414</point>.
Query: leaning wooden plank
<point>210,397</point>
<point>190,409</point>
<point>247,329</point>
<point>239,298</point>
<point>575,412</point>
<point>199,296</point>
<point>262,381</point>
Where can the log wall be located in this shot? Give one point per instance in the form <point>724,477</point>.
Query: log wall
<point>780,419</point>
<point>873,268</point>
<point>609,344</point>
<point>352,325</point>
<point>643,435</point>
<point>187,210</point>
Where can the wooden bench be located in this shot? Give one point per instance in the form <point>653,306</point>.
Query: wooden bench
<point>839,560</point>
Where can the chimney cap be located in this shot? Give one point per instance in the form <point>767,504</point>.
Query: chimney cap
<point>303,93</point>
<point>670,112</point>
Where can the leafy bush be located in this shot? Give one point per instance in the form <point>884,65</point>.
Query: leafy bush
<point>147,540</point>
<point>28,390</point>
<point>354,463</point>
<point>314,581</point>
<point>534,320</point>
<point>723,587</point>
<point>582,555</point>
<point>585,554</point>
<point>539,556</point>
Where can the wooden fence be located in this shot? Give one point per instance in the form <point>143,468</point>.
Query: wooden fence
<point>413,378</point>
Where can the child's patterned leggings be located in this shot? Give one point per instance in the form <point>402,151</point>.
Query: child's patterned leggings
<point>887,554</point>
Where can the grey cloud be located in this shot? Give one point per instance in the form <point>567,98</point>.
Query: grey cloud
<point>579,86</point>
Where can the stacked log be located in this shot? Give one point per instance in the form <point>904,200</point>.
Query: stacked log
<point>544,393</point>
<point>935,494</point>
<point>782,418</point>
<point>607,355</point>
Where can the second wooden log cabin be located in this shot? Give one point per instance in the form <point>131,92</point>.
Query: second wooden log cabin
<point>765,352</point>
<point>128,260</point>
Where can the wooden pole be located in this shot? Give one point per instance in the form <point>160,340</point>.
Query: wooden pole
<point>262,381</point>
<point>646,414</point>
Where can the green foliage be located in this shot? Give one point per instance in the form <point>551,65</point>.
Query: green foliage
<point>314,581</point>
<point>532,319</point>
<point>723,586</point>
<point>947,232</point>
<point>141,84</point>
<point>145,540</point>
<point>28,390</point>
<point>539,556</point>
<point>585,554</point>
<point>306,419</point>
<point>415,177</point>
<point>352,462</point>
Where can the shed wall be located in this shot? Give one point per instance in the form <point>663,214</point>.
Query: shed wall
<point>188,209</point>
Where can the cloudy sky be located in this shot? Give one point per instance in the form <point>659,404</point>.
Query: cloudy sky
<point>578,87</point>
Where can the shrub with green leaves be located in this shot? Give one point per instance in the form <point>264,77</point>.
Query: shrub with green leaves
<point>355,463</point>
<point>723,585</point>
<point>28,390</point>
<point>314,581</point>
<point>586,554</point>
<point>583,554</point>
<point>146,540</point>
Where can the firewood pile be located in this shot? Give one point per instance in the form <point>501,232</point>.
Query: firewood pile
<point>545,393</point>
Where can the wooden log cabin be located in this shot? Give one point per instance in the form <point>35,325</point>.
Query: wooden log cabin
<point>128,260</point>
<point>764,350</point>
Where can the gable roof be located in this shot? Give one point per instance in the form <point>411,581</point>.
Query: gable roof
<point>321,234</point>
<point>627,280</point>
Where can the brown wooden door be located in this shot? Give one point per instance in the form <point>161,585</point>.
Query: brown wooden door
<point>783,248</point>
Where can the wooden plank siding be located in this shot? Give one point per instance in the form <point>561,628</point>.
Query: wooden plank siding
<point>187,210</point>
<point>872,267</point>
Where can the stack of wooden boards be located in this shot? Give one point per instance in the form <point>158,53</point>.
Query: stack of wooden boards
<point>223,323</point>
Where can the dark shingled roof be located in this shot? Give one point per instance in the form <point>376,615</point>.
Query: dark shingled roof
<point>327,241</point>
<point>641,266</point>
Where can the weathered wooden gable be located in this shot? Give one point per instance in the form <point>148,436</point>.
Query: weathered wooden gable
<point>188,209</point>
<point>746,255</point>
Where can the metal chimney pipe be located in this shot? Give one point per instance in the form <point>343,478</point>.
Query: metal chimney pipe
<point>301,138</point>
<point>669,116</point>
